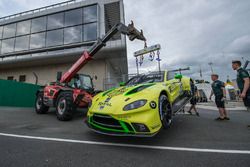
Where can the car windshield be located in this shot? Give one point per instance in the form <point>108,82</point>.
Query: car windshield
<point>146,78</point>
<point>81,82</point>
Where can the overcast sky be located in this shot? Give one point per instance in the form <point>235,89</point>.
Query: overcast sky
<point>191,33</point>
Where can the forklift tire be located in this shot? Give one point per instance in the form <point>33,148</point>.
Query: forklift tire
<point>64,106</point>
<point>39,106</point>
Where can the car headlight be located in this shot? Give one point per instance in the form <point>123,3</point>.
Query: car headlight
<point>135,105</point>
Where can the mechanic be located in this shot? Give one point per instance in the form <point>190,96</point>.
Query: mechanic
<point>193,101</point>
<point>242,82</point>
<point>218,90</point>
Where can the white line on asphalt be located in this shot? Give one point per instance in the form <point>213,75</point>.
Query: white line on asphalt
<point>215,108</point>
<point>129,145</point>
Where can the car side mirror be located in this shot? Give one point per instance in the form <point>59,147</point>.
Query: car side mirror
<point>122,83</point>
<point>178,76</point>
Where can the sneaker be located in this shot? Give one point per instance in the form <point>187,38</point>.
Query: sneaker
<point>226,118</point>
<point>219,119</point>
<point>197,114</point>
<point>189,112</point>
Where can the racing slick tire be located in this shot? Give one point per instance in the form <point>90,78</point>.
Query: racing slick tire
<point>64,106</point>
<point>39,105</point>
<point>165,111</point>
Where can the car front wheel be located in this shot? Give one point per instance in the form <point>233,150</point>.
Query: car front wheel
<point>165,111</point>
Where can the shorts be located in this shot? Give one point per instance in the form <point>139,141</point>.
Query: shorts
<point>219,103</point>
<point>193,101</point>
<point>246,100</point>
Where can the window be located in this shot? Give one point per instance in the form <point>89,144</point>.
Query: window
<point>22,78</point>
<point>38,24</point>
<point>9,30</point>
<point>23,27</point>
<point>1,32</point>
<point>73,17</point>
<point>54,38</point>
<point>22,43</point>
<point>90,32</point>
<point>37,40</point>
<point>8,45</point>
<point>55,21</point>
<point>11,78</point>
<point>171,75</point>
<point>90,14</point>
<point>72,34</point>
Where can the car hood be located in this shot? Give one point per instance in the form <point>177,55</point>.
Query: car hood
<point>112,101</point>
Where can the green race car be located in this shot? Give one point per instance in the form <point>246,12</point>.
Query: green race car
<point>140,107</point>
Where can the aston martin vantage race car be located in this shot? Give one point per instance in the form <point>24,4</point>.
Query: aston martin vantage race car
<point>140,107</point>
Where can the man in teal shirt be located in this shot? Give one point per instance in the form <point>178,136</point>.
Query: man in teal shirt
<point>242,82</point>
<point>218,90</point>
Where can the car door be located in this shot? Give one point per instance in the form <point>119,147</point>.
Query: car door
<point>175,86</point>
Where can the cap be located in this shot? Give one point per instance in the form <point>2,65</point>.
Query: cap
<point>215,75</point>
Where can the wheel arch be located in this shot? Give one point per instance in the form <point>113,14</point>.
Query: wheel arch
<point>164,92</point>
<point>60,91</point>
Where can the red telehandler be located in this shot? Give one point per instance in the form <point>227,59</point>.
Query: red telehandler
<point>73,90</point>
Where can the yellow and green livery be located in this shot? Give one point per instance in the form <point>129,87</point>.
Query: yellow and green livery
<point>140,107</point>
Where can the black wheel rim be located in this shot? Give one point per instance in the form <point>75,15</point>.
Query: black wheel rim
<point>61,106</point>
<point>39,102</point>
<point>165,112</point>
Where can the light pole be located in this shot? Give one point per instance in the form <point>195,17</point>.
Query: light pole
<point>210,63</point>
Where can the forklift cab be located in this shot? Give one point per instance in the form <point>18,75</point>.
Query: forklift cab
<point>82,81</point>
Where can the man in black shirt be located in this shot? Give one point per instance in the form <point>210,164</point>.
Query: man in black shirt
<point>218,90</point>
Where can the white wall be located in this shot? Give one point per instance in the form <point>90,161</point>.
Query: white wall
<point>48,73</point>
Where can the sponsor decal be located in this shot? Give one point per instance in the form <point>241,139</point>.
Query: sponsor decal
<point>105,104</point>
<point>117,92</point>
<point>107,100</point>
<point>124,117</point>
<point>101,107</point>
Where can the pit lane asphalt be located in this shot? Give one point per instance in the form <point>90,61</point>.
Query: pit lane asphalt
<point>187,131</point>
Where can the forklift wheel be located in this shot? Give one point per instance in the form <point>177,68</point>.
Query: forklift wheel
<point>64,106</point>
<point>39,106</point>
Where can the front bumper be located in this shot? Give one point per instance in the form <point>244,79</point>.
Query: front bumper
<point>106,124</point>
